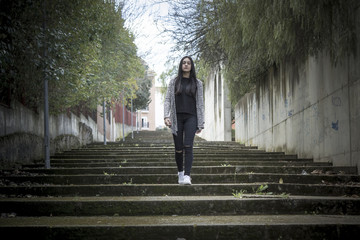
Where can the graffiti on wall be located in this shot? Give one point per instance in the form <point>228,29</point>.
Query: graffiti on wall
<point>329,126</point>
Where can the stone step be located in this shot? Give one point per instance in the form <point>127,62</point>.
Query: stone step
<point>184,227</point>
<point>166,147</point>
<point>55,164</point>
<point>166,152</point>
<point>140,146</point>
<point>179,205</point>
<point>172,178</point>
<point>170,157</point>
<point>130,189</point>
<point>171,160</point>
<point>162,147</point>
<point>196,170</point>
<point>121,146</point>
<point>137,144</point>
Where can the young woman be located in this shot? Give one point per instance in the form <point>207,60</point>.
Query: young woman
<point>184,114</point>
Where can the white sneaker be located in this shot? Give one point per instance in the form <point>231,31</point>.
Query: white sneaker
<point>181,177</point>
<point>187,180</point>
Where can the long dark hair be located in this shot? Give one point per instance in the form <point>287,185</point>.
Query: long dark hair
<point>190,89</point>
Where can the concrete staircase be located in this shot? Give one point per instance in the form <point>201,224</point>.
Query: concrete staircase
<point>129,190</point>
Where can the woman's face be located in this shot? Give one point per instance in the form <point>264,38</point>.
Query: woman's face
<point>186,65</point>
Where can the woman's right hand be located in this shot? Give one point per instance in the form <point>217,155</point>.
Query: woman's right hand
<point>167,122</point>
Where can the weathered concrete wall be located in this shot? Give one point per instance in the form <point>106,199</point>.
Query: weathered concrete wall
<point>22,131</point>
<point>312,110</point>
<point>119,132</point>
<point>217,108</point>
<point>19,119</point>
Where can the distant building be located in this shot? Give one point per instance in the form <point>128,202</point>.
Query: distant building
<point>146,117</point>
<point>159,108</point>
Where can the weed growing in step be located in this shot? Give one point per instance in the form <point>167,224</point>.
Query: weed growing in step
<point>128,183</point>
<point>109,174</point>
<point>285,195</point>
<point>226,165</point>
<point>261,190</point>
<point>239,194</point>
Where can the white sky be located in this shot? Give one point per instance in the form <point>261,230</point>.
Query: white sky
<point>153,46</point>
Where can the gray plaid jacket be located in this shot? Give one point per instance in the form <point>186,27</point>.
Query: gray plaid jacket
<point>170,107</point>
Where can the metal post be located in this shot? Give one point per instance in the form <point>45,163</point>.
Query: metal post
<point>137,122</point>
<point>123,122</point>
<point>139,119</point>
<point>46,97</point>
<point>132,125</point>
<point>104,119</point>
<point>46,125</point>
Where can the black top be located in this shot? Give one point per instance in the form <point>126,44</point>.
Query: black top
<point>185,103</point>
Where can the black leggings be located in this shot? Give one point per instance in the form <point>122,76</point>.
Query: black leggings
<point>184,140</point>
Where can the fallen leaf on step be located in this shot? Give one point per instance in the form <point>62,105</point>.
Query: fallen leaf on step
<point>316,171</point>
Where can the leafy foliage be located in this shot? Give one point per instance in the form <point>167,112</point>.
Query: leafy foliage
<point>81,47</point>
<point>247,37</point>
<point>169,74</point>
<point>142,92</point>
